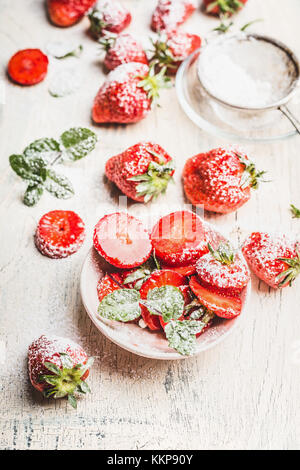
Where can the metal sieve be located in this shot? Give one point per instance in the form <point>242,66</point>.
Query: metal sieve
<point>249,72</point>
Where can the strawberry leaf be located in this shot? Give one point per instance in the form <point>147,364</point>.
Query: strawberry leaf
<point>52,367</point>
<point>72,401</point>
<point>182,335</point>
<point>295,212</point>
<point>167,300</point>
<point>78,142</point>
<point>120,305</point>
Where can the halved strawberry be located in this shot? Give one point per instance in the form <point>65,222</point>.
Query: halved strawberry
<point>107,285</point>
<point>59,234</point>
<point>179,238</point>
<point>28,67</point>
<point>221,305</point>
<point>122,240</point>
<point>159,278</point>
<point>183,270</point>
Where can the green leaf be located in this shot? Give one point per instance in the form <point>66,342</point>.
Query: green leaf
<point>52,367</point>
<point>168,300</point>
<point>120,305</point>
<point>72,400</point>
<point>45,149</point>
<point>23,169</point>
<point>78,142</point>
<point>182,335</point>
<point>66,361</point>
<point>33,194</point>
<point>295,211</point>
<point>50,379</point>
<point>59,185</point>
<point>62,50</point>
<point>83,387</point>
<point>224,253</point>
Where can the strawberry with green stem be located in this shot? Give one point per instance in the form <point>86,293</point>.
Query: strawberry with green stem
<point>58,367</point>
<point>142,172</point>
<point>122,49</point>
<point>108,15</point>
<point>228,7</point>
<point>128,94</point>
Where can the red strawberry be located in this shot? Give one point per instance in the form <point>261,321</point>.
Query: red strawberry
<point>122,50</point>
<point>169,14</point>
<point>220,180</point>
<point>171,50</point>
<point>223,270</point>
<point>158,279</point>
<point>273,258</point>
<point>59,234</point>
<point>128,93</point>
<point>68,12</point>
<point>142,172</point>
<point>122,240</point>
<point>58,367</point>
<point>107,285</point>
<point>183,270</point>
<point>179,239</point>
<point>223,306</point>
<point>109,15</point>
<point>228,7</point>
<point>28,67</point>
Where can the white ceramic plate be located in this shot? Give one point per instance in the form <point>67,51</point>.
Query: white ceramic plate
<point>141,341</point>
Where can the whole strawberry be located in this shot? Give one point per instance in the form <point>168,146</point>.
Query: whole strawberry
<point>68,12</point>
<point>122,49</point>
<point>142,172</point>
<point>169,14</point>
<point>58,367</point>
<point>108,15</point>
<point>128,93</point>
<point>220,180</point>
<point>274,258</point>
<point>171,50</point>
<point>227,7</point>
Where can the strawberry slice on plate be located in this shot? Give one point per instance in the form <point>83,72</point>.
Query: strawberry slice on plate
<point>28,67</point>
<point>223,306</point>
<point>59,234</point>
<point>179,238</point>
<point>183,270</point>
<point>107,285</point>
<point>159,278</point>
<point>122,240</point>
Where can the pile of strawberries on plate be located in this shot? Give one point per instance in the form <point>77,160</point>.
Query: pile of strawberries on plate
<point>179,278</point>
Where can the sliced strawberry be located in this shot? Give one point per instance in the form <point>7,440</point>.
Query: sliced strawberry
<point>59,234</point>
<point>179,238</point>
<point>28,67</point>
<point>122,240</point>
<point>183,270</point>
<point>159,278</point>
<point>221,305</point>
<point>107,285</point>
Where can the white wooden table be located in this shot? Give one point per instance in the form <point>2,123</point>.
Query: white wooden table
<point>243,393</point>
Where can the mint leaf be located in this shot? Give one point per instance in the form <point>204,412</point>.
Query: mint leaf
<point>33,194</point>
<point>23,169</point>
<point>78,142</point>
<point>61,50</point>
<point>182,335</point>
<point>59,185</point>
<point>168,300</point>
<point>120,305</point>
<point>295,211</point>
<point>45,149</point>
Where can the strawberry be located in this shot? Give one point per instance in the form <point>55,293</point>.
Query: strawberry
<point>274,258</point>
<point>122,50</point>
<point>28,67</point>
<point>128,94</point>
<point>108,15</point>
<point>142,172</point>
<point>59,234</point>
<point>122,240</point>
<point>223,270</point>
<point>223,306</point>
<point>183,270</point>
<point>227,7</point>
<point>220,180</point>
<point>179,238</point>
<point>159,278</point>
<point>169,14</point>
<point>171,49</point>
<point>68,12</point>
<point>58,367</point>
<point>106,285</point>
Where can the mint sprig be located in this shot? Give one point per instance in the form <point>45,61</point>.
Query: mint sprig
<point>142,273</point>
<point>120,305</point>
<point>167,300</point>
<point>35,165</point>
<point>182,335</point>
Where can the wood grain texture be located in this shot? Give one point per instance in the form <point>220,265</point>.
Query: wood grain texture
<point>243,393</point>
